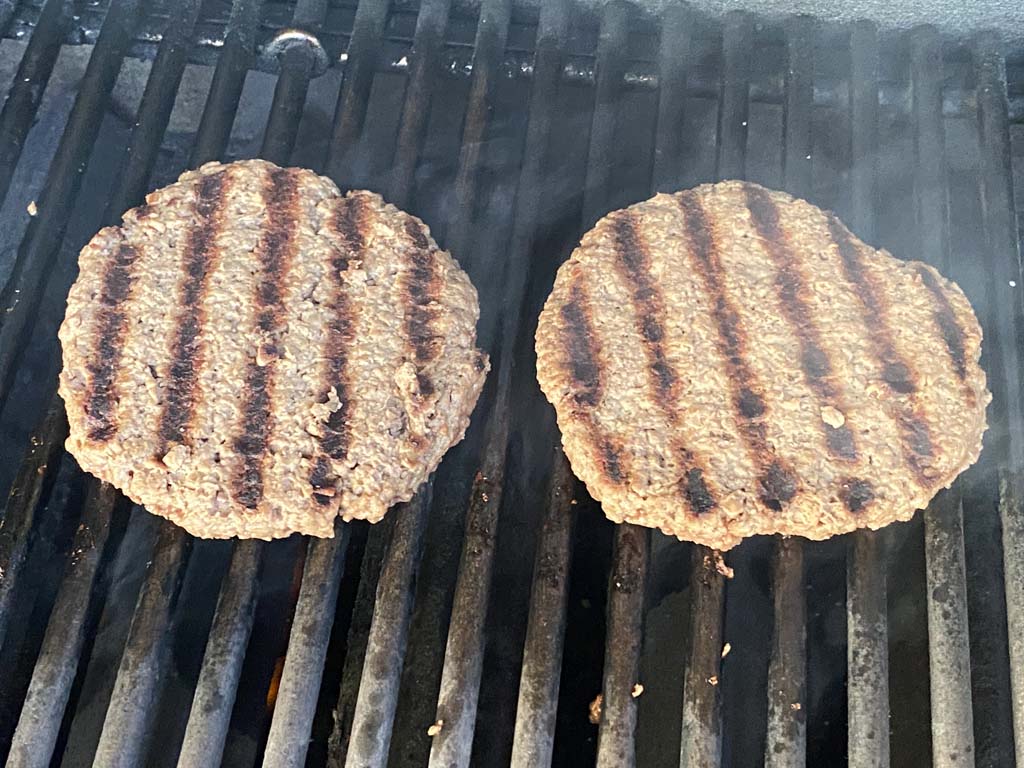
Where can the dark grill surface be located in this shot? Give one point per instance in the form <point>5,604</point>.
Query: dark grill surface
<point>499,602</point>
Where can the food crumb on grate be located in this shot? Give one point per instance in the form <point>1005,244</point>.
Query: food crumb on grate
<point>725,649</point>
<point>594,710</point>
<point>713,680</point>
<point>33,209</point>
<point>796,706</point>
<point>637,690</point>
<point>721,567</point>
<point>435,729</point>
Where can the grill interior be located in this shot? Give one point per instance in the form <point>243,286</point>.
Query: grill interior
<point>500,601</point>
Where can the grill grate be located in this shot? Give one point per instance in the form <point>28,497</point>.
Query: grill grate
<point>476,599</point>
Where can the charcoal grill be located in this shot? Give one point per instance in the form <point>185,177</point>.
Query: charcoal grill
<point>499,603</point>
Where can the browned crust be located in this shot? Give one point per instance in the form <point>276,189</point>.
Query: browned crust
<point>117,286</point>
<point>778,484</point>
<point>274,253</point>
<point>633,262</point>
<point>187,351</point>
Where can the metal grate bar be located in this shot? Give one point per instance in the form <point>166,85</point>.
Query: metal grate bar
<point>611,56</point>
<point>545,632</point>
<point>864,128</point>
<point>377,699</point>
<point>733,100</point>
<point>424,60</point>
<point>786,740</point>
<point>298,63</point>
<point>217,685</point>
<point>866,620</point>
<point>627,579</point>
<point>318,596</point>
<point>289,100</point>
<point>673,62</point>
<point>228,80</point>
<point>135,689</point>
<point>949,648</point>
<point>29,84</point>
<point>43,709</point>
<point>207,728</point>
<point>288,739</point>
<point>154,111</point>
<point>21,295</point>
<point>489,49</point>
<point>1002,261</point>
<point>701,743</point>
<point>867,652</point>
<point>786,733</point>
<point>360,68</point>
<point>537,707</point>
<point>31,486</point>
<point>616,747</point>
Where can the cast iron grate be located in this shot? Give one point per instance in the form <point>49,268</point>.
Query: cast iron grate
<point>479,603</point>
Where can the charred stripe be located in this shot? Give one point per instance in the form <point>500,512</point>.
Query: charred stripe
<point>778,484</point>
<point>946,320</point>
<point>274,252</point>
<point>583,363</point>
<point>110,332</point>
<point>792,289</point>
<point>200,260</point>
<point>634,263</point>
<point>895,372</point>
<point>349,222</point>
<point>423,287</point>
<point>856,494</point>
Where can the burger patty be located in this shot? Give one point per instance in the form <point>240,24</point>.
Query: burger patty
<point>252,354</point>
<point>731,361</point>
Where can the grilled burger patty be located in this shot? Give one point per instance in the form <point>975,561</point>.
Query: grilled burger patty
<point>731,361</point>
<point>252,354</point>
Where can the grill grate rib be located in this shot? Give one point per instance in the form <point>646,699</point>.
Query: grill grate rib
<point>700,88</point>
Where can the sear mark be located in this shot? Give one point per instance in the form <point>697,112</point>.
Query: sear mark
<point>946,320</point>
<point>582,362</point>
<point>634,263</point>
<point>778,483</point>
<point>897,375</point>
<point>856,494</point>
<point>793,297</point>
<point>274,253</point>
<point>200,260</point>
<point>110,332</point>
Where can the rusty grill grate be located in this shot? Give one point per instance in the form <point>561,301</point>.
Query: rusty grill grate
<point>498,602</point>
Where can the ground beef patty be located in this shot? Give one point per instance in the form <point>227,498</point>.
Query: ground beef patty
<point>731,361</point>
<point>252,354</point>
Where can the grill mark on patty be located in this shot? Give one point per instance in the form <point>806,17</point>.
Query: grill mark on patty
<point>200,260</point>
<point>583,364</point>
<point>110,335</point>
<point>792,290</point>
<point>634,264</point>
<point>274,253</point>
<point>896,373</point>
<point>949,327</point>
<point>778,483</point>
<point>856,494</point>
<point>422,286</point>
<point>349,222</point>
